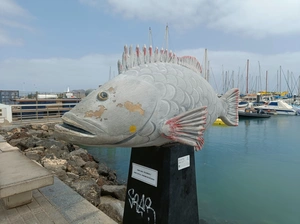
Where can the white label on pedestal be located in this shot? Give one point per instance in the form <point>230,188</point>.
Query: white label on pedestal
<point>183,162</point>
<point>144,174</point>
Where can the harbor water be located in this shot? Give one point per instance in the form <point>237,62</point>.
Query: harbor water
<point>248,174</point>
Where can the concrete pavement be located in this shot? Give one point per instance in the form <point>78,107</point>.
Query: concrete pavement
<point>58,204</point>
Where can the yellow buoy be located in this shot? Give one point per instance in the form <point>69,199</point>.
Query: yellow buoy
<point>219,122</point>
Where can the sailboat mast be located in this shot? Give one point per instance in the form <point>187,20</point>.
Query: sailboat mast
<point>280,79</point>
<point>238,84</point>
<point>208,71</point>
<point>259,80</point>
<point>109,72</point>
<point>266,81</point>
<point>167,37</point>
<point>150,37</point>
<point>299,85</point>
<point>205,63</point>
<point>223,79</point>
<point>247,76</point>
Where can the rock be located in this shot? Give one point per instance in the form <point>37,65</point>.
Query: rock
<point>103,169</point>
<point>72,167</point>
<point>82,153</point>
<point>48,143</point>
<point>116,191</point>
<point>73,176</point>
<point>35,133</point>
<point>44,127</point>
<point>35,127</point>
<point>101,181</point>
<point>35,155</point>
<point>61,174</point>
<point>91,164</point>
<point>112,207</point>
<point>78,160</point>
<point>18,135</point>
<point>93,172</point>
<point>88,189</point>
<point>70,147</point>
<point>112,176</point>
<point>56,150</point>
<point>38,148</point>
<point>54,164</point>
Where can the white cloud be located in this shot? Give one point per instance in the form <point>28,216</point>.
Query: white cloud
<point>56,73</point>
<point>256,18</point>
<point>92,70</point>
<point>10,8</point>
<point>5,39</point>
<point>14,24</point>
<point>234,62</point>
<point>12,17</point>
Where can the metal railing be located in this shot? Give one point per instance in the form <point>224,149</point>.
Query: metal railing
<point>28,112</point>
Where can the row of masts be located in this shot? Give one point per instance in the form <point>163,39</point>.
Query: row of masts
<point>229,82</point>
<point>289,82</point>
<point>226,81</point>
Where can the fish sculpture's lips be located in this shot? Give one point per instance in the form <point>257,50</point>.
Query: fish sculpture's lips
<point>72,126</point>
<point>75,129</point>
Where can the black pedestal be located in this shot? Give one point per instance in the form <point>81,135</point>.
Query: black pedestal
<point>161,186</point>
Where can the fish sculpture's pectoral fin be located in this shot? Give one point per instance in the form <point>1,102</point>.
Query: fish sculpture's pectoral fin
<point>187,128</point>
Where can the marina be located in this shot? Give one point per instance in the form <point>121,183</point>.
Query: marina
<point>101,122</point>
<point>246,174</point>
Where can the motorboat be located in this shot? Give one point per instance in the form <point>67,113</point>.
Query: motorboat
<point>253,114</point>
<point>242,105</point>
<point>281,108</point>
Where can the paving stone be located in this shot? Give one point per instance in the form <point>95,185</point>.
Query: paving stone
<point>36,194</point>
<point>23,209</point>
<point>42,217</point>
<point>43,201</point>
<point>3,218</point>
<point>61,221</point>
<point>13,215</point>
<point>27,215</point>
<point>18,220</point>
<point>52,212</point>
<point>33,204</point>
<point>32,220</point>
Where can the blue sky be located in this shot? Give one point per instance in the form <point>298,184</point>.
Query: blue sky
<point>53,45</point>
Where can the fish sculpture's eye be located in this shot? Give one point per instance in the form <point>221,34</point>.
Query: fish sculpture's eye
<point>102,96</point>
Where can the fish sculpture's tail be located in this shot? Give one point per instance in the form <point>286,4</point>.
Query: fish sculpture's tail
<point>231,100</point>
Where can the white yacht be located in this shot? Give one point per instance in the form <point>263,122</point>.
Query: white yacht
<point>281,107</point>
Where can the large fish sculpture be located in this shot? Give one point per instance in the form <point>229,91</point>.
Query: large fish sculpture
<point>157,98</point>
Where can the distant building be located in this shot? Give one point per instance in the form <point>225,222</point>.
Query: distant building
<point>8,96</point>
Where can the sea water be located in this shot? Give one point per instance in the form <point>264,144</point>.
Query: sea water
<point>249,174</point>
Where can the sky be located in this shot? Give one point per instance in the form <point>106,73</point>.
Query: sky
<point>49,46</point>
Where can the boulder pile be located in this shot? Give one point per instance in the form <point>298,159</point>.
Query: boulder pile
<point>73,165</point>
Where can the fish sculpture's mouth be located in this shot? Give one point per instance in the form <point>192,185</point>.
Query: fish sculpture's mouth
<point>73,128</point>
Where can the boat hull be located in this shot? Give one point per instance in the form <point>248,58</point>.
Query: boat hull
<point>253,115</point>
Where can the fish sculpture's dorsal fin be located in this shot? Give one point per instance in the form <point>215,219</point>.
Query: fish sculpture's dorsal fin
<point>131,58</point>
